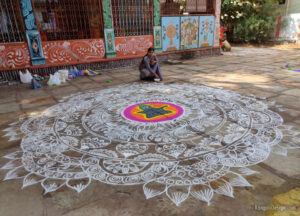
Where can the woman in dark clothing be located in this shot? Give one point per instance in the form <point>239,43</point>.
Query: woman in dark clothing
<point>149,67</point>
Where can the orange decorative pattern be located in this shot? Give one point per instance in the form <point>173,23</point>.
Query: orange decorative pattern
<point>130,46</point>
<point>14,56</point>
<point>73,51</point>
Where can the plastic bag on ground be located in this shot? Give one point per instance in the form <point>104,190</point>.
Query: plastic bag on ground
<point>63,75</point>
<point>25,77</point>
<point>54,80</point>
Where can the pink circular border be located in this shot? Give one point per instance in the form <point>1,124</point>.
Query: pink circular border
<point>126,112</point>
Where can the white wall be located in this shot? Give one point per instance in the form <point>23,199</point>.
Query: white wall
<point>291,30</point>
<point>293,6</point>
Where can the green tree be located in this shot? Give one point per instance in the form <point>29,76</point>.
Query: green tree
<point>252,21</point>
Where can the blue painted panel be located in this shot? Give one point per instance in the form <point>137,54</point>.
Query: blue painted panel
<point>35,47</point>
<point>189,28</point>
<point>28,15</point>
<point>206,31</point>
<point>170,33</point>
<point>32,34</point>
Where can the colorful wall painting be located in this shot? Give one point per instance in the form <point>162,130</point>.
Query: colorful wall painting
<point>206,31</point>
<point>217,22</point>
<point>130,46</point>
<point>189,32</point>
<point>109,42</point>
<point>170,33</point>
<point>73,51</point>
<point>156,7</point>
<point>35,47</point>
<point>32,34</point>
<point>157,37</point>
<point>14,56</point>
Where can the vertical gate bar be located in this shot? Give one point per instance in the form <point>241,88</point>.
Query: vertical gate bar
<point>120,18</point>
<point>123,20</point>
<point>129,5</point>
<point>129,17</point>
<point>7,28</point>
<point>136,18</point>
<point>10,30</point>
<point>132,17</point>
<point>80,12</point>
<point>65,19</point>
<point>146,18</point>
<point>80,22</point>
<point>127,20</point>
<point>78,18</point>
<point>15,18</point>
<point>2,14</point>
<point>82,16</point>
<point>115,18</point>
<point>116,21</point>
<point>142,16</point>
<point>144,3</point>
<point>138,13</point>
<point>147,12</point>
<point>87,18</point>
<point>73,26</point>
<point>100,17</point>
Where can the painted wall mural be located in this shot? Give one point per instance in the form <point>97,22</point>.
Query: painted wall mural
<point>127,46</point>
<point>171,33</point>
<point>28,15</point>
<point>157,38</point>
<point>14,55</point>
<point>109,42</point>
<point>217,23</point>
<point>206,31</point>
<point>107,16</point>
<point>73,51</point>
<point>156,6</point>
<point>189,29</point>
<point>32,33</point>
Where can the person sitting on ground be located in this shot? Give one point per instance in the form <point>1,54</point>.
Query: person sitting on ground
<point>149,67</point>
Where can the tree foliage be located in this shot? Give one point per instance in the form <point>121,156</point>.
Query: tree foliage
<point>250,21</point>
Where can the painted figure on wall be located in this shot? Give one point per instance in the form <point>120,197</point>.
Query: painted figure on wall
<point>170,33</point>
<point>189,32</point>
<point>35,46</point>
<point>110,41</point>
<point>157,38</point>
<point>206,28</point>
<point>206,31</point>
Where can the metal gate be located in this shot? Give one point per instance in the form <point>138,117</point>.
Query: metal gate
<point>69,19</point>
<point>132,17</point>
<point>11,22</point>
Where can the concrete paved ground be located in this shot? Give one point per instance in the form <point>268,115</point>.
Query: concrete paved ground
<point>247,71</point>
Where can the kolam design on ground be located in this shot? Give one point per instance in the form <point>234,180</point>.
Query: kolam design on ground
<point>173,139</point>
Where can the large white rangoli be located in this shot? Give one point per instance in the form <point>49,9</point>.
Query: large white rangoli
<point>177,139</point>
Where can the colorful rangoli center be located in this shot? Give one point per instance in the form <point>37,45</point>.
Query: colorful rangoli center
<point>153,112</point>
